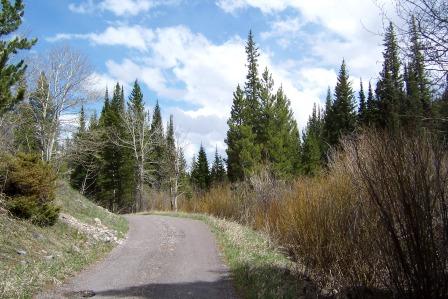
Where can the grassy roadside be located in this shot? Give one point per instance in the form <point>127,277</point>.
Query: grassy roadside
<point>32,257</point>
<point>259,270</point>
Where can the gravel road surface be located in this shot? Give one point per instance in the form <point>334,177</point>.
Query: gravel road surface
<point>163,257</point>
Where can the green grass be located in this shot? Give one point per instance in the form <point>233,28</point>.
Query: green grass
<point>52,253</point>
<point>86,211</point>
<point>258,268</point>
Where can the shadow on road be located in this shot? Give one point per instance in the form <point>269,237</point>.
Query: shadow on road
<point>198,289</point>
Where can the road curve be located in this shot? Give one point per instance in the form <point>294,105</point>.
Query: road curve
<point>163,257</point>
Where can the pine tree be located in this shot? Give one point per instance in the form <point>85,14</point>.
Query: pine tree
<point>201,171</point>
<point>389,88</point>
<point>294,149</point>
<point>105,108</point>
<point>11,74</point>
<point>117,174</point>
<point>126,161</point>
<point>329,132</point>
<point>25,133</point>
<point>283,144</point>
<point>362,108</point>
<point>312,147</point>
<point>371,108</point>
<point>217,172</point>
<point>266,115</point>
<point>108,180</point>
<point>243,153</point>
<point>158,154</point>
<point>252,85</point>
<point>138,140</point>
<point>170,150</point>
<point>262,128</point>
<point>184,182</point>
<point>171,165</point>
<point>342,112</point>
<point>418,104</point>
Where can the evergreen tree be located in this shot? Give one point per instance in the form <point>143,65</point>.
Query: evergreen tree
<point>283,144</point>
<point>82,121</point>
<point>117,174</point>
<point>266,115</point>
<point>329,132</point>
<point>201,172</point>
<point>312,144</point>
<point>184,183</point>
<point>157,156</point>
<point>342,112</point>
<point>362,108</point>
<point>170,155</point>
<point>262,128</point>
<point>217,172</point>
<point>170,152</point>
<point>108,176</point>
<point>389,89</point>
<point>138,137</point>
<point>252,86</point>
<point>25,133</point>
<point>11,73</point>
<point>105,108</point>
<point>93,122</point>
<point>371,108</point>
<point>294,149</point>
<point>243,153</point>
<point>418,104</point>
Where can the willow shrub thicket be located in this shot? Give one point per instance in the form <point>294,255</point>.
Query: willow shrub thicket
<point>376,218</point>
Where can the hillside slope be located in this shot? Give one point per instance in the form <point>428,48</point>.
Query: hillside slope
<point>32,257</point>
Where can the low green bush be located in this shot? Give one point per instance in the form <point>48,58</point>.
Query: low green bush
<point>28,185</point>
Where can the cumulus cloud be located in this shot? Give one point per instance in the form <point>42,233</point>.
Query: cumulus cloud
<point>350,29</point>
<point>283,30</point>
<point>135,37</point>
<point>119,7</point>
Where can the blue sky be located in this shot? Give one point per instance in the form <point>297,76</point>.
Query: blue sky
<point>190,56</point>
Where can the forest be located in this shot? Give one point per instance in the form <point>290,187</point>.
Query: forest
<point>358,198</point>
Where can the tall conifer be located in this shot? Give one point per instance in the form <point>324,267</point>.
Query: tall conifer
<point>157,156</point>
<point>389,89</point>
<point>362,107</point>
<point>201,171</point>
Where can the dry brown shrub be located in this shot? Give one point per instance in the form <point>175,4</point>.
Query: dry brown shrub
<point>377,218</point>
<point>404,178</point>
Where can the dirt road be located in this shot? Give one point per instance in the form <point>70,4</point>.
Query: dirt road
<point>163,257</point>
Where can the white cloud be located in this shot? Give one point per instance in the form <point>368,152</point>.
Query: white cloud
<point>231,6</point>
<point>284,31</point>
<point>117,7</point>
<point>350,29</point>
<point>136,37</point>
<point>99,82</point>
